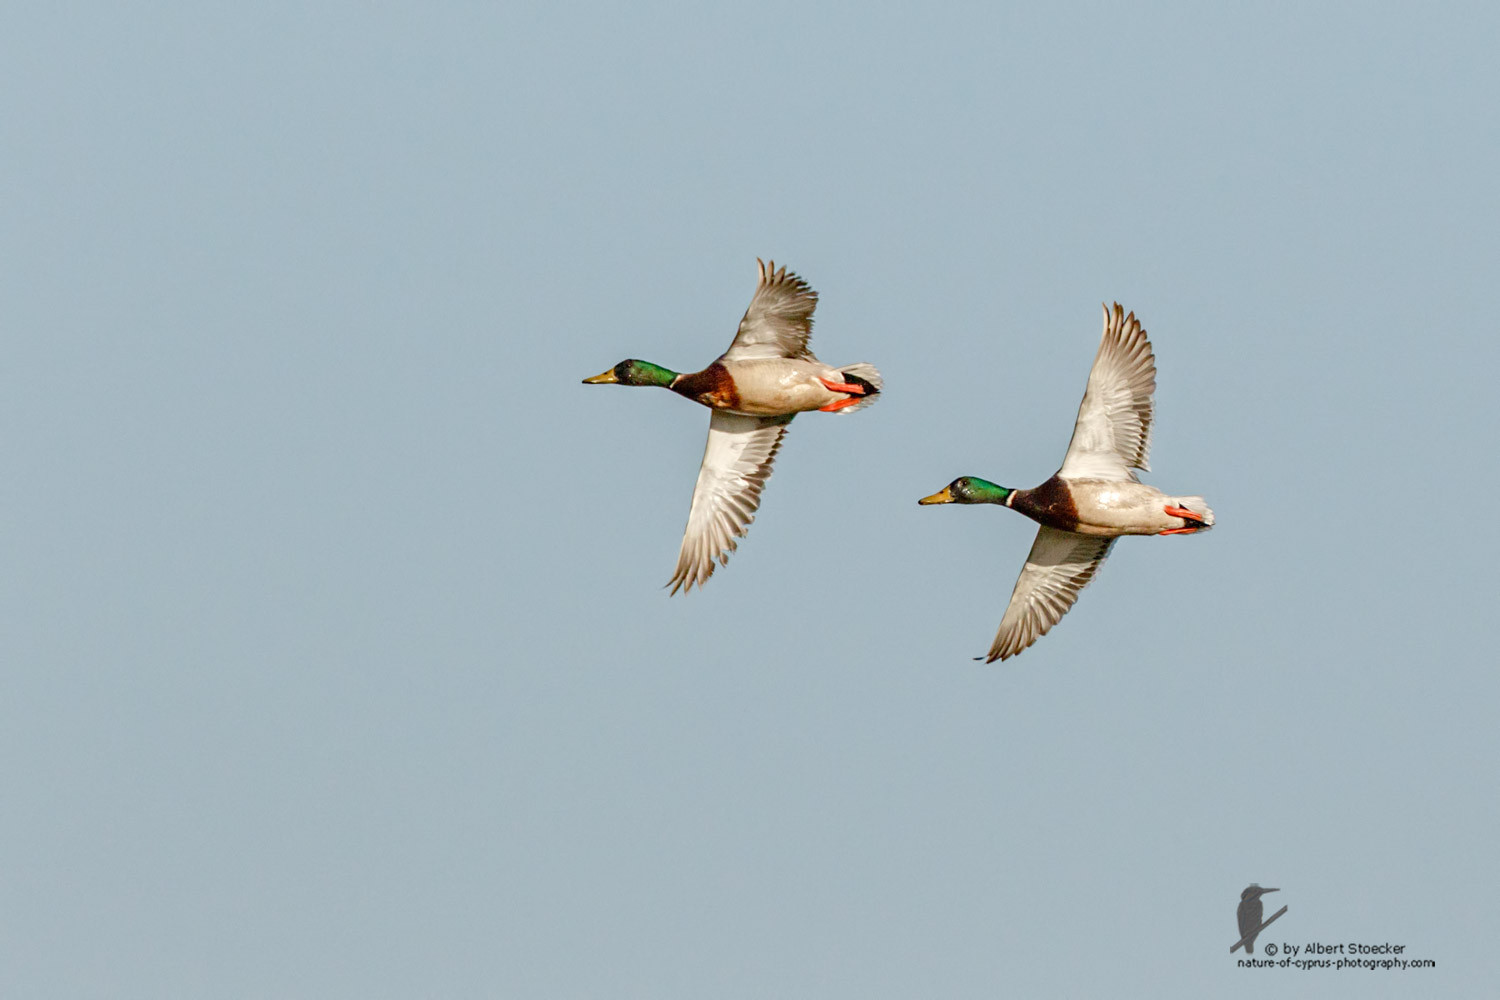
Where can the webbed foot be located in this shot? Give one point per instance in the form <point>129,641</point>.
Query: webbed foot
<point>849,387</point>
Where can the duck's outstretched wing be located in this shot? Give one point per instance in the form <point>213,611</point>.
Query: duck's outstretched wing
<point>779,319</point>
<point>1059,566</point>
<point>736,464</point>
<point>1113,434</point>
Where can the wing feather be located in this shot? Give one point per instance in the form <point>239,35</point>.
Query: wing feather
<point>736,463</point>
<point>779,320</point>
<point>1113,434</point>
<point>1059,565</point>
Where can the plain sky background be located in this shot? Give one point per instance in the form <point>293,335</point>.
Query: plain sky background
<point>337,661</point>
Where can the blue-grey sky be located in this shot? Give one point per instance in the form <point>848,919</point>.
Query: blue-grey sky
<point>337,659</point>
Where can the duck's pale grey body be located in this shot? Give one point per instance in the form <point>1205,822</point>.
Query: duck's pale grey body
<point>774,387</point>
<point>1109,509</point>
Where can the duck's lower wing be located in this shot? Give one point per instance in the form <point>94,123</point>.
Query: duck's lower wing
<point>736,464</point>
<point>1059,566</point>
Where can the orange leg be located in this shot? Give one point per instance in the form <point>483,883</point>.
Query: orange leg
<point>849,387</point>
<point>839,404</point>
<point>1183,512</point>
<point>1186,515</point>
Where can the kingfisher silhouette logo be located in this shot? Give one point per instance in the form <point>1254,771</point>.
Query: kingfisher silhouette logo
<point>1309,953</point>
<point>1249,915</point>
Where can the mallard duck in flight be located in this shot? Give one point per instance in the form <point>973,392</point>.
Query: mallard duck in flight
<point>1095,497</point>
<point>755,388</point>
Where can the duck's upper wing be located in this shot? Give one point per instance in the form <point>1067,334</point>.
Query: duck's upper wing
<point>779,319</point>
<point>736,464</point>
<point>1059,566</point>
<point>1113,434</point>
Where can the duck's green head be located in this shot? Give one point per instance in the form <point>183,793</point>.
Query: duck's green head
<point>634,372</point>
<point>969,489</point>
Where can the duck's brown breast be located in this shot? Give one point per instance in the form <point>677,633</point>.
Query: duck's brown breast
<point>713,386</point>
<point>1050,503</point>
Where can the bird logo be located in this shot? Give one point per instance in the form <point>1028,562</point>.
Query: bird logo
<point>1249,914</point>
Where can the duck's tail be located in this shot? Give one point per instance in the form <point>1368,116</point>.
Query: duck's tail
<point>1195,505</point>
<point>866,377</point>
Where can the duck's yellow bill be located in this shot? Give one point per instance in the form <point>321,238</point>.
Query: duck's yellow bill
<point>602,378</point>
<point>944,495</point>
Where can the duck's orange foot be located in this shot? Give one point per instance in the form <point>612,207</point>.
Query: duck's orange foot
<point>1186,515</point>
<point>839,404</point>
<point>850,387</point>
